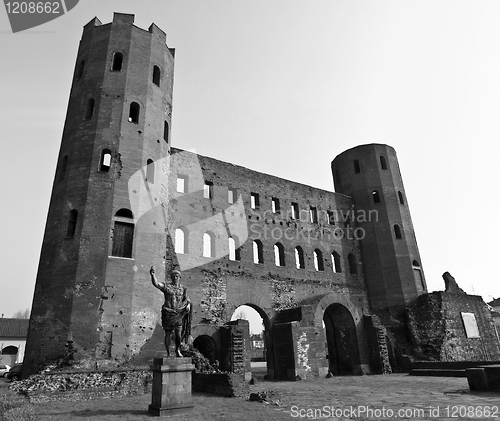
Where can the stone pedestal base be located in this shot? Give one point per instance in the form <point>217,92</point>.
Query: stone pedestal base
<point>171,394</point>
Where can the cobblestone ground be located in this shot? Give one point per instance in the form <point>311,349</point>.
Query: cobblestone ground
<point>340,398</point>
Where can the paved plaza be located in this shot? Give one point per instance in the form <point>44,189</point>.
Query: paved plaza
<point>376,397</point>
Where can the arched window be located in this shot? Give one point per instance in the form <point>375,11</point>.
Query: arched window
<point>105,161</point>
<point>357,167</point>
<point>318,260</point>
<point>234,249</point>
<point>401,197</point>
<point>165,131</point>
<point>383,162</point>
<point>117,62</point>
<point>150,171</point>
<point>181,240</point>
<point>123,233</point>
<point>353,267</point>
<point>376,196</point>
<point>63,167</point>
<point>124,213</point>
<point>156,75</point>
<point>279,254</point>
<point>337,267</point>
<point>70,228</point>
<point>299,258</point>
<point>89,112</point>
<point>258,252</point>
<point>209,244</point>
<point>397,231</point>
<point>133,115</point>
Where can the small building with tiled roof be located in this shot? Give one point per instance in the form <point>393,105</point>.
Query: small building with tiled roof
<point>13,334</point>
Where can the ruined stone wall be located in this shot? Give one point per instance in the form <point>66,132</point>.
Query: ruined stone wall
<point>438,332</point>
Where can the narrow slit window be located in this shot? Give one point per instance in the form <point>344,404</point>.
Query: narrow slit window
<point>279,254</point>
<point>258,252</point>
<point>318,260</point>
<point>299,258</point>
<point>383,162</point>
<point>337,267</point>
<point>376,196</point>
<point>89,111</point>
<point>295,210</point>
<point>71,227</point>
<point>150,171</point>
<point>208,190</point>
<point>133,115</point>
<point>156,75</point>
<point>397,232</point>
<point>165,131</point>
<point>401,197</point>
<point>357,167</point>
<point>105,161</point>
<point>117,62</point>
<point>254,201</point>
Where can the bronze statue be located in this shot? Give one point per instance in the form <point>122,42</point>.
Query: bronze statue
<point>176,311</point>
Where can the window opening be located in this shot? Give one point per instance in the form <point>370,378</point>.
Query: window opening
<point>313,214</point>
<point>181,240</point>
<point>401,198</point>
<point>337,267</point>
<point>208,190</point>
<point>279,254</point>
<point>133,115</point>
<point>258,252</point>
<point>165,131</point>
<point>71,227</point>
<point>254,201</point>
<point>181,184</point>
<point>234,249</point>
<point>89,112</point>
<point>376,196</point>
<point>208,244</point>
<point>318,260</point>
<point>383,162</point>
<point>117,62</point>
<point>397,231</point>
<point>275,205</point>
<point>156,75</point>
<point>299,258</point>
<point>231,195</point>
<point>357,167</point>
<point>150,171</point>
<point>105,161</point>
<point>295,210</point>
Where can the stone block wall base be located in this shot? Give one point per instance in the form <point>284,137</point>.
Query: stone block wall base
<point>171,392</point>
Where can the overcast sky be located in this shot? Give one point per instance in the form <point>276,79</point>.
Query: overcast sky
<point>282,87</point>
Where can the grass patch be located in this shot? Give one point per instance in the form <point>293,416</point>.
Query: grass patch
<point>14,407</point>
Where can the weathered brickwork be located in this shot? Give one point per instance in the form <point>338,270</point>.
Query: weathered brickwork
<point>331,274</point>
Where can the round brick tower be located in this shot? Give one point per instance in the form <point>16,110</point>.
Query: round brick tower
<point>106,225</point>
<point>393,270</point>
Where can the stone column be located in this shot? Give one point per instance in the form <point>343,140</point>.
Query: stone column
<point>171,394</point>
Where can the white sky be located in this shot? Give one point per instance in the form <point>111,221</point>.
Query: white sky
<point>282,87</point>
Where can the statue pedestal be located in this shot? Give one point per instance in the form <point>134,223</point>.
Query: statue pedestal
<point>171,394</point>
